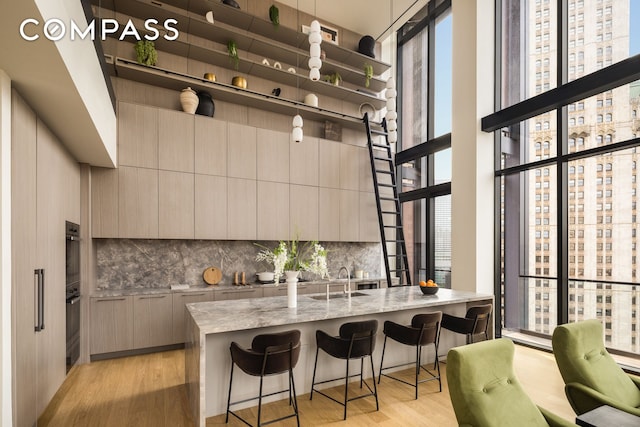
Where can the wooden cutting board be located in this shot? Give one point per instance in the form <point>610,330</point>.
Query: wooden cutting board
<point>212,275</point>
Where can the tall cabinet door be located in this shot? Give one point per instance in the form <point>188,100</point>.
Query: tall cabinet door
<point>23,242</point>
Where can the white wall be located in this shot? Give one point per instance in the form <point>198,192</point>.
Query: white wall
<point>472,198</point>
<point>5,250</point>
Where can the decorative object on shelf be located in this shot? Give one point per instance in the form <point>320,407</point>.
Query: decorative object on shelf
<point>391,116</point>
<point>311,99</point>
<point>239,81</point>
<point>189,100</point>
<point>323,55</point>
<point>429,287</point>
<point>206,107</point>
<point>366,46</point>
<point>209,17</point>
<point>265,61</point>
<point>365,107</point>
<point>292,288</point>
<point>332,131</point>
<point>315,39</point>
<point>210,76</point>
<point>368,74</point>
<point>274,15</point>
<point>292,70</point>
<point>212,275</point>
<point>146,53</point>
<point>276,91</point>
<point>297,134</point>
<point>232,3</point>
<point>232,48</point>
<point>334,78</point>
<point>277,65</point>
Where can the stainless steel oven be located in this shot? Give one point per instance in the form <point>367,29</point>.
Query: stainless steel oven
<point>72,292</point>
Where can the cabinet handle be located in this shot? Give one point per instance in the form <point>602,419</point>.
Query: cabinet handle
<point>244,291</point>
<point>110,299</point>
<point>40,325</point>
<point>36,300</point>
<point>153,297</point>
<point>192,295</point>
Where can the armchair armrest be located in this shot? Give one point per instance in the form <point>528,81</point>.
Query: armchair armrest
<point>554,420</point>
<point>635,379</point>
<point>583,399</point>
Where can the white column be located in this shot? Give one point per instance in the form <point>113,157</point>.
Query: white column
<point>472,198</point>
<point>5,250</point>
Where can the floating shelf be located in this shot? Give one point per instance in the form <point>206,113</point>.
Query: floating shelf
<point>254,35</point>
<point>220,91</point>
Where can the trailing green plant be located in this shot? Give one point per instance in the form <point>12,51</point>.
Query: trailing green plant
<point>232,48</point>
<point>368,74</point>
<point>334,78</point>
<point>146,53</point>
<point>274,15</point>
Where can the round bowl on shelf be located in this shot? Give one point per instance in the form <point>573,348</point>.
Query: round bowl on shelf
<point>210,76</point>
<point>429,290</point>
<point>266,276</point>
<point>240,82</point>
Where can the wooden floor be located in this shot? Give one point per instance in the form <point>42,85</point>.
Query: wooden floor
<point>149,390</point>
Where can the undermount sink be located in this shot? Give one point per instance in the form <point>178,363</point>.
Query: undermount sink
<point>338,295</point>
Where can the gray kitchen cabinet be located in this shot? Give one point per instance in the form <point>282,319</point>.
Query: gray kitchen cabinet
<point>175,141</point>
<point>111,324</point>
<point>137,135</point>
<point>303,208</point>
<point>210,146</point>
<point>153,320</point>
<point>175,205</point>
<point>329,164</point>
<point>179,300</point>
<point>273,211</point>
<point>281,289</point>
<point>273,155</point>
<point>350,156</point>
<point>303,162</point>
<point>369,226</point>
<point>349,216</point>
<point>210,207</point>
<point>45,192</point>
<point>241,151</point>
<point>137,202</point>
<point>329,214</point>
<point>104,202</point>
<point>237,293</point>
<point>241,208</point>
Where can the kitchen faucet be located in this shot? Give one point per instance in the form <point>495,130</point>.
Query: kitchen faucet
<point>347,289</point>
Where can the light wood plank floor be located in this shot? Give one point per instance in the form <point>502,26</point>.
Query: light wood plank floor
<point>149,390</point>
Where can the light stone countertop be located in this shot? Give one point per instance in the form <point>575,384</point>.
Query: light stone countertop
<point>226,316</point>
<point>110,293</point>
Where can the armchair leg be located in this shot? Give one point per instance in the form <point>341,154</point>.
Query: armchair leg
<point>384,346</point>
<point>373,376</point>
<point>313,379</point>
<point>226,420</point>
<point>346,389</point>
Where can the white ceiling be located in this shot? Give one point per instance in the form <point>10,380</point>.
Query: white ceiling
<point>362,16</point>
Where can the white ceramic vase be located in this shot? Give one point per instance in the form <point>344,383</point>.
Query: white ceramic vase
<point>189,100</point>
<point>292,288</point>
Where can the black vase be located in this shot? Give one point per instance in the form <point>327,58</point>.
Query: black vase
<point>367,46</point>
<point>206,107</point>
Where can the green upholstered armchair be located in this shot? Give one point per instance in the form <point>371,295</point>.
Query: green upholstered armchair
<point>592,378</point>
<point>485,391</point>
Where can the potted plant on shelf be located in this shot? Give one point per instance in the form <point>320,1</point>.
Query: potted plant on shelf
<point>368,74</point>
<point>146,53</point>
<point>274,16</point>
<point>334,78</point>
<point>232,48</point>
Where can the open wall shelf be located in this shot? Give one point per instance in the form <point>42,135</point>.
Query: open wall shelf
<point>157,76</point>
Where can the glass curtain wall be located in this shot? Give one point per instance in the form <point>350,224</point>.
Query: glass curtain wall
<point>424,150</point>
<point>566,153</point>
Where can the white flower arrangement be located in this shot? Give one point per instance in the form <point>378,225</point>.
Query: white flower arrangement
<point>287,257</point>
<point>318,263</point>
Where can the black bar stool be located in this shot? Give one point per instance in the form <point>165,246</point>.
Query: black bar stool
<point>475,322</point>
<point>270,354</point>
<point>355,340</point>
<point>424,330</point>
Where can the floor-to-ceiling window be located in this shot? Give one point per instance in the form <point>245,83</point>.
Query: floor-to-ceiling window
<point>424,149</point>
<point>566,152</point>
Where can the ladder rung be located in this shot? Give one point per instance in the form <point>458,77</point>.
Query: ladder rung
<point>392,226</point>
<point>395,241</point>
<point>386,159</point>
<point>380,146</point>
<point>387,185</point>
<point>383,171</point>
<point>388,198</point>
<point>378,132</point>
<point>399,269</point>
<point>390,212</point>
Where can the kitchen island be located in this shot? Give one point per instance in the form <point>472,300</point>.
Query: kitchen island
<point>212,326</point>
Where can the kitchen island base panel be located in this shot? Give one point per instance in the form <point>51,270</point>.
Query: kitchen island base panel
<point>207,370</point>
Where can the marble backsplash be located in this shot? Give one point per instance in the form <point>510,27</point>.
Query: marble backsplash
<point>132,263</point>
